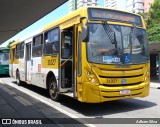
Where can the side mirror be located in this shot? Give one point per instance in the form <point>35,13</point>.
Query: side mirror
<point>85,34</point>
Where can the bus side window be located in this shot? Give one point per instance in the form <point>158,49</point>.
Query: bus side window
<point>51,42</point>
<point>37,46</point>
<point>67,45</point>
<point>21,52</point>
<point>17,51</point>
<point>13,55</point>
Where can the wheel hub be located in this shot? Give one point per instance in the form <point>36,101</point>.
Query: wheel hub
<point>53,89</point>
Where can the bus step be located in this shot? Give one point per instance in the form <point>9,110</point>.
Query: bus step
<point>68,94</point>
<point>28,82</point>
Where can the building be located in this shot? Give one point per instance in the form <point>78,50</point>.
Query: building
<point>116,4</point>
<point>147,4</point>
<point>129,5</point>
<point>135,6</point>
<point>74,4</point>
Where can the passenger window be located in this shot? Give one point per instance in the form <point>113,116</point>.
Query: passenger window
<point>51,45</point>
<point>66,47</point>
<point>21,52</point>
<point>17,51</point>
<point>37,46</point>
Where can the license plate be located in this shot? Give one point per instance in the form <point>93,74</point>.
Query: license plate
<point>125,92</point>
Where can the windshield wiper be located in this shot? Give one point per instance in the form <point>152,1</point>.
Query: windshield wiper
<point>110,33</point>
<point>133,37</point>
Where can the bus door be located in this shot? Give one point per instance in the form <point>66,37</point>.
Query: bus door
<point>66,62</point>
<point>12,58</point>
<point>78,84</point>
<point>28,62</point>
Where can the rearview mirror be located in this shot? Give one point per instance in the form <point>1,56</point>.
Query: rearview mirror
<point>85,34</point>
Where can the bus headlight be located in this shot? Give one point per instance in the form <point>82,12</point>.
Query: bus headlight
<point>91,78</point>
<point>147,76</point>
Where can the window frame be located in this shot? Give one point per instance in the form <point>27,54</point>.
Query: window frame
<point>21,56</point>
<point>79,71</point>
<point>17,51</point>
<point>38,46</point>
<point>51,42</point>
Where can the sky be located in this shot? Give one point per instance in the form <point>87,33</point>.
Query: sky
<point>52,16</point>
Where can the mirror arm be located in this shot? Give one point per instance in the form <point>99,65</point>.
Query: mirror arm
<point>82,18</point>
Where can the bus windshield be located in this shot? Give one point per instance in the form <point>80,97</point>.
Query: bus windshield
<point>131,45</point>
<point>4,59</point>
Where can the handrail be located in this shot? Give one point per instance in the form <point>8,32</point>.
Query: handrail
<point>65,61</point>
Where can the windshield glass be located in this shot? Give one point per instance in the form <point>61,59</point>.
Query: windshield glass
<point>130,47</point>
<point>4,59</point>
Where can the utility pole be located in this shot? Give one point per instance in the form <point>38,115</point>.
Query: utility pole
<point>75,4</point>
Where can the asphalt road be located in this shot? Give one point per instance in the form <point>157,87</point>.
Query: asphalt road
<point>99,114</point>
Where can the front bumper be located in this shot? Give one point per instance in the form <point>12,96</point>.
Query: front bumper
<point>101,93</point>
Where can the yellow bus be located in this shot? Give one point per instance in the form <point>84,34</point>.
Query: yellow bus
<point>93,54</point>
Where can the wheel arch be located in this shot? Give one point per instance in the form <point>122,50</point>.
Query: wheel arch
<point>49,75</point>
<point>17,70</point>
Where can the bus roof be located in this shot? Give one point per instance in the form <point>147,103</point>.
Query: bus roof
<point>80,11</point>
<point>14,43</point>
<point>100,7</point>
<point>2,48</point>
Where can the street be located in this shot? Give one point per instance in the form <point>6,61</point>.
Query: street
<point>147,107</point>
<point>74,54</point>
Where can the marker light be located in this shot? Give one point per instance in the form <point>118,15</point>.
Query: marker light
<point>91,78</point>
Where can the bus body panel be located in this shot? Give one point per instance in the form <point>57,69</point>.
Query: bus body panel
<point>4,69</point>
<point>22,69</point>
<point>97,94</point>
<point>15,69</point>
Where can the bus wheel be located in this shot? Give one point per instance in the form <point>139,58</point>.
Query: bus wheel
<point>18,78</point>
<point>53,90</point>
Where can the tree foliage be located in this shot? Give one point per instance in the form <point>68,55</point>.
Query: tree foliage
<point>8,46</point>
<point>153,22</point>
<point>145,16</point>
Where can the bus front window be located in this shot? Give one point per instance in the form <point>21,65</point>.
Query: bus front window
<point>129,42</point>
<point>135,44</point>
<point>4,59</point>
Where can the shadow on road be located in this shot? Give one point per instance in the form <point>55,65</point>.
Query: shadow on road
<point>96,110</point>
<point>106,108</point>
<point>35,89</point>
<point>4,76</point>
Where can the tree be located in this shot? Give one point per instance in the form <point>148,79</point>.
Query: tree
<point>153,22</point>
<point>145,16</point>
<point>8,46</point>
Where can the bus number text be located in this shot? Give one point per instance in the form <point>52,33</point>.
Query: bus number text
<point>51,62</point>
<point>111,80</point>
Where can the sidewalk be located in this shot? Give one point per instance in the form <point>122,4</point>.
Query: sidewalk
<point>19,108</point>
<point>155,84</point>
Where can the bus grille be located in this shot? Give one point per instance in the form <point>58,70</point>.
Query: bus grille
<point>132,77</point>
<point>123,95</point>
<point>121,85</point>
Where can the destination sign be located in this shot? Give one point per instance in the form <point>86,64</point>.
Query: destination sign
<point>104,14</point>
<point>4,51</point>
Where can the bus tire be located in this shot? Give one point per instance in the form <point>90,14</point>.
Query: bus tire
<point>53,89</point>
<point>19,82</point>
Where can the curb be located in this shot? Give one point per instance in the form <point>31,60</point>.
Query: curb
<point>155,87</point>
